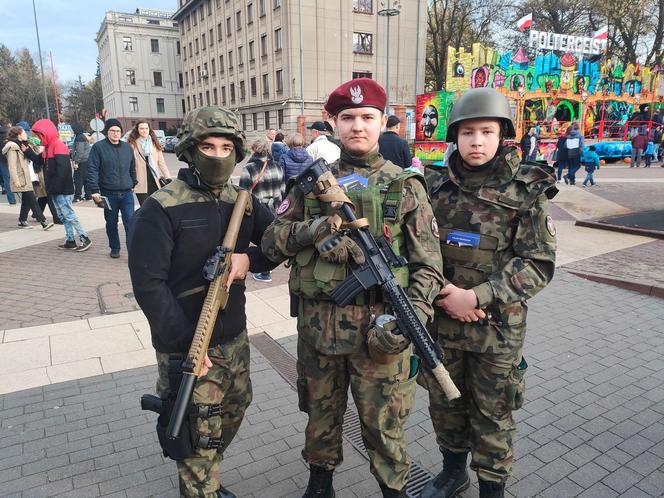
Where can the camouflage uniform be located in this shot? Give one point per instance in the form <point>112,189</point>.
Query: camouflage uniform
<point>332,352</point>
<point>507,206</point>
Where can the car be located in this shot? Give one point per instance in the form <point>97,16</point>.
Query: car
<point>170,143</point>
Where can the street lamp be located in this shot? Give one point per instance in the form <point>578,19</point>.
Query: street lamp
<point>389,8</point>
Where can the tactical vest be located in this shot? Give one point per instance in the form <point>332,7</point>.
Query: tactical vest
<point>314,278</point>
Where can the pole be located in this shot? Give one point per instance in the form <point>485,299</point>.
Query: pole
<point>299,9</point>
<point>387,85</point>
<point>41,63</point>
<point>55,89</point>
<point>417,51</point>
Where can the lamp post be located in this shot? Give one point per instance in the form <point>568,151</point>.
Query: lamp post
<point>389,9</point>
<point>41,64</point>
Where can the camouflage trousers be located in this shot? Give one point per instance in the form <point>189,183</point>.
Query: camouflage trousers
<point>227,384</point>
<point>384,397</point>
<point>480,420</point>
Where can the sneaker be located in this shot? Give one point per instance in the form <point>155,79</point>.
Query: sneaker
<point>85,244</point>
<point>566,180</point>
<point>46,225</point>
<point>23,224</point>
<point>69,244</point>
<point>76,200</point>
<point>585,186</point>
<point>262,277</point>
<point>115,255</point>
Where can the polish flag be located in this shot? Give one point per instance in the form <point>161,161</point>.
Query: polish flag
<point>525,22</point>
<point>602,34</point>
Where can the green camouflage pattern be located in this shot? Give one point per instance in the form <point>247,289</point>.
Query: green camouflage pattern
<point>205,121</point>
<point>227,383</point>
<point>480,103</point>
<point>480,421</point>
<point>516,254</point>
<point>384,396</point>
<point>177,193</point>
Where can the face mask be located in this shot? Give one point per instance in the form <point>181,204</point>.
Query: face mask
<point>214,171</point>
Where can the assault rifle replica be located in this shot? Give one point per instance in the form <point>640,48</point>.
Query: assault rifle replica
<point>216,270</point>
<point>375,271</point>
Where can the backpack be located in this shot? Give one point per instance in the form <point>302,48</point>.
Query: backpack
<point>573,147</point>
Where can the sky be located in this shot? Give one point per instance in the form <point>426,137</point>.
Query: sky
<point>67,28</point>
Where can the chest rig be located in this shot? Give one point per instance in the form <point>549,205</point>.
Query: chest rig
<point>380,203</point>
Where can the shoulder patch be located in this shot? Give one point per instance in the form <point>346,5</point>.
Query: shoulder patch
<point>550,227</point>
<point>434,227</point>
<point>283,207</point>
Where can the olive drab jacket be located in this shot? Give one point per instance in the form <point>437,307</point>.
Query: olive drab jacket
<point>325,326</point>
<point>497,238</point>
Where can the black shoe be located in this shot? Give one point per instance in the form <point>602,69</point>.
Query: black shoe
<point>320,483</point>
<point>222,492</point>
<point>566,180</point>
<point>23,224</point>
<point>76,199</point>
<point>46,225</point>
<point>85,244</point>
<point>115,254</point>
<point>392,493</point>
<point>490,489</point>
<point>69,244</point>
<point>451,480</point>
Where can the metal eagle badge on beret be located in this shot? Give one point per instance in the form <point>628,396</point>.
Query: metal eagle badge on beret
<point>551,228</point>
<point>356,94</point>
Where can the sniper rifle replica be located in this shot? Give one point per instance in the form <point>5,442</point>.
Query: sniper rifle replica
<point>375,271</point>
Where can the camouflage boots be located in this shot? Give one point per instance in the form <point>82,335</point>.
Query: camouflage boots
<point>451,480</point>
<point>320,483</point>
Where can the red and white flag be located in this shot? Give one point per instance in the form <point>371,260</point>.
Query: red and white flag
<point>602,34</point>
<point>525,22</point>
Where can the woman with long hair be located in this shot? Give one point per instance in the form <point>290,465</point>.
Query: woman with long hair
<point>151,170</point>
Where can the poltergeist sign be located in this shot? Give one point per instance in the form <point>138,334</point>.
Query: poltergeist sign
<point>543,40</point>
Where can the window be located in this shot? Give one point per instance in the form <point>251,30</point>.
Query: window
<point>280,118</point>
<point>180,81</point>
<point>215,99</point>
<point>160,105</point>
<point>193,98</point>
<point>190,52</point>
<point>200,98</point>
<point>219,32</point>
<point>203,44</point>
<point>266,84</point>
<point>211,37</point>
<point>252,86</point>
<point>250,13</point>
<point>186,79</point>
<point>131,76</point>
<point>254,119</point>
<point>154,45</point>
<point>188,104</point>
<point>363,6</point>
<point>277,40</point>
<point>232,91</point>
<point>184,108</point>
<point>361,75</point>
<point>276,4</point>
<point>363,43</point>
<point>228,26</point>
<point>252,57</point>
<point>187,21</point>
<point>221,64</point>
<point>279,76</point>
<point>240,56</point>
<point>223,95</point>
<point>177,47</point>
<point>261,8</point>
<point>156,76</point>
<point>196,45</point>
<point>133,104</point>
<point>207,97</point>
<point>217,4</point>
<point>209,7</point>
<point>194,21</point>
<point>192,77</point>
<point>244,121</point>
<point>266,118</point>
<point>214,67</point>
<point>263,45</point>
<point>182,32</point>
<point>126,43</point>
<point>243,92</point>
<point>201,14</point>
<point>205,70</point>
<point>238,20</point>
<point>198,73</point>
<point>230,60</point>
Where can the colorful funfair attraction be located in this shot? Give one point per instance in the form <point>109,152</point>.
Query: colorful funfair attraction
<point>565,79</point>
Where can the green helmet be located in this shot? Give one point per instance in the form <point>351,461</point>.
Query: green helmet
<point>205,121</point>
<point>481,103</point>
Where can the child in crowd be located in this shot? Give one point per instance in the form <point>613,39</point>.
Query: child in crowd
<point>591,163</point>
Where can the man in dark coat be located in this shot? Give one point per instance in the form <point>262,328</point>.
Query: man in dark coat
<point>392,147</point>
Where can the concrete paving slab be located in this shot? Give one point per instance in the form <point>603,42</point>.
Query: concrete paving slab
<point>22,355</point>
<point>45,330</point>
<point>94,344</point>
<point>74,370</point>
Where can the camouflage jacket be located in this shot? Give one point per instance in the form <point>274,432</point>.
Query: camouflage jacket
<point>325,326</point>
<point>497,238</point>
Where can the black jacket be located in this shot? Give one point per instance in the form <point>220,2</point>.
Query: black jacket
<point>111,167</point>
<point>395,149</point>
<point>170,238</point>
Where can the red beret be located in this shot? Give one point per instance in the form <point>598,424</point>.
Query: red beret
<point>360,92</point>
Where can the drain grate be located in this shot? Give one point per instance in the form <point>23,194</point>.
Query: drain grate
<point>284,363</point>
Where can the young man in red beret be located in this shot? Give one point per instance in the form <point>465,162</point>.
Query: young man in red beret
<point>340,347</point>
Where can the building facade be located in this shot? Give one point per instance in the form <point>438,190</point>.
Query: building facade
<point>271,62</point>
<point>141,76</point>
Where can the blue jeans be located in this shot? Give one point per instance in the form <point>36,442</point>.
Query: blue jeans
<point>589,179</point>
<point>63,205</point>
<point>561,168</point>
<point>6,183</point>
<point>123,203</point>
<point>573,166</point>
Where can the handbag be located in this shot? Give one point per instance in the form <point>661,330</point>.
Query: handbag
<point>162,181</point>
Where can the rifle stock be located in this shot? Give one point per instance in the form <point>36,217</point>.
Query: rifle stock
<point>217,269</point>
